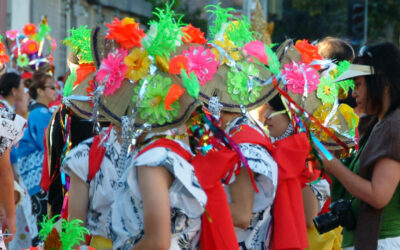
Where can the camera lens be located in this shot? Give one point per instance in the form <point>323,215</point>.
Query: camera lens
<point>326,222</point>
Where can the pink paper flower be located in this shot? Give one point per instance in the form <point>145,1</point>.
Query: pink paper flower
<point>53,44</point>
<point>256,49</point>
<point>112,71</point>
<point>202,62</point>
<point>12,34</point>
<point>297,75</point>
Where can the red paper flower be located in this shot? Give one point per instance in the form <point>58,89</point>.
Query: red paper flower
<point>308,52</point>
<point>30,47</point>
<point>29,29</point>
<point>27,75</point>
<point>3,56</point>
<point>177,63</point>
<point>83,71</point>
<point>126,32</point>
<point>192,35</point>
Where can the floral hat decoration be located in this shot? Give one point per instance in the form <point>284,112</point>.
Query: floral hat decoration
<point>139,73</point>
<point>314,97</point>
<point>28,46</point>
<point>4,58</point>
<point>244,65</point>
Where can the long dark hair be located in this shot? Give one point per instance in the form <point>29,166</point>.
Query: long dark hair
<point>385,59</point>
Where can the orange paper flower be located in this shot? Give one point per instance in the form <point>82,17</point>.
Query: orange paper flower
<point>29,29</point>
<point>192,35</point>
<point>31,47</point>
<point>177,63</point>
<point>83,71</point>
<point>174,92</point>
<point>3,56</point>
<point>126,32</point>
<point>308,52</point>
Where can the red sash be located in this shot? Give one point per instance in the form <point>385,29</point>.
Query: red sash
<point>289,229</point>
<point>217,230</point>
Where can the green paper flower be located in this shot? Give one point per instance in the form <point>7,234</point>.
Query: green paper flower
<point>46,226</point>
<point>327,90</point>
<point>69,83</point>
<point>240,87</point>
<point>23,60</point>
<point>152,107</point>
<point>79,41</point>
<point>191,83</point>
<point>1,38</point>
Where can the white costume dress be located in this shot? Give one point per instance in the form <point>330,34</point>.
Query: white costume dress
<point>102,186</point>
<point>187,201</point>
<point>256,236</point>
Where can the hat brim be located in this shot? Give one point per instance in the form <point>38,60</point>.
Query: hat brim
<point>355,70</point>
<point>82,108</point>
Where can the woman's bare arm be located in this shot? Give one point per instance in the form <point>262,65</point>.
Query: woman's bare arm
<point>377,192</point>
<point>242,196</point>
<point>154,183</point>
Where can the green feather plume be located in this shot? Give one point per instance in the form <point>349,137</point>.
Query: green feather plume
<point>222,15</point>
<point>46,226</point>
<point>165,34</point>
<point>239,32</point>
<point>72,233</point>
<point>43,31</point>
<point>69,83</point>
<point>273,61</point>
<point>79,41</point>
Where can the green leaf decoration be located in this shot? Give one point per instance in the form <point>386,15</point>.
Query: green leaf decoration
<point>239,32</point>
<point>46,226</point>
<point>274,65</point>
<point>79,41</point>
<point>69,83</point>
<point>327,90</point>
<point>152,105</point>
<point>240,86</point>
<point>73,233</point>
<point>165,34</point>
<point>1,38</point>
<point>191,83</point>
<point>222,15</point>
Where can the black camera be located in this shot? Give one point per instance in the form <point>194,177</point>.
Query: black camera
<point>340,215</point>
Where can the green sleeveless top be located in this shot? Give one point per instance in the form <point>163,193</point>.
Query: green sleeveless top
<point>391,213</point>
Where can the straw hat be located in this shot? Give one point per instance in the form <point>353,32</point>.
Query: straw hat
<point>339,123</point>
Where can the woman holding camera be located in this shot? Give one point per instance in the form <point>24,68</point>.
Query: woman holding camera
<point>371,180</point>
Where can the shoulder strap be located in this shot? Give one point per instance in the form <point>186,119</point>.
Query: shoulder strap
<point>96,155</point>
<point>170,144</point>
<point>247,134</point>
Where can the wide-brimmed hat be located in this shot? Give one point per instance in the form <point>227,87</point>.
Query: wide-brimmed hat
<point>355,70</point>
<point>340,120</point>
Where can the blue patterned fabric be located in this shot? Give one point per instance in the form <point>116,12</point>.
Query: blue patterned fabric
<point>31,149</point>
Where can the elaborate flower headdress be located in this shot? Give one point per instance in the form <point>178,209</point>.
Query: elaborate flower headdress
<point>32,48</point>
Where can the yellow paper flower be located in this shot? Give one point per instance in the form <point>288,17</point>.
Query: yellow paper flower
<point>321,114</point>
<point>162,63</point>
<point>229,47</point>
<point>351,118</point>
<point>138,64</point>
<point>128,20</point>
